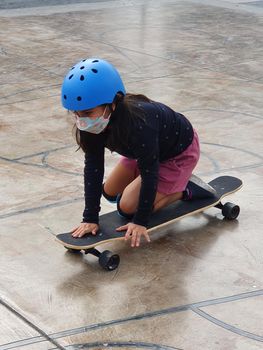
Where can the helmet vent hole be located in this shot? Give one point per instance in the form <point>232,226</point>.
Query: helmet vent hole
<point>82,77</point>
<point>65,97</point>
<point>79,98</point>
<point>82,67</point>
<point>72,68</point>
<point>94,70</point>
<point>83,60</point>
<point>71,76</point>
<point>95,61</point>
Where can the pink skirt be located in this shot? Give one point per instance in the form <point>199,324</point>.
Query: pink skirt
<point>174,173</point>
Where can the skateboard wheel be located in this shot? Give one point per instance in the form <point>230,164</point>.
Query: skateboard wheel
<point>230,211</point>
<point>108,260</point>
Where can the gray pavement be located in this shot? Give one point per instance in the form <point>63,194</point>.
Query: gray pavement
<point>17,4</point>
<point>199,284</point>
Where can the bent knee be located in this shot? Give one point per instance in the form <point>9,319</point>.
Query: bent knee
<point>109,197</point>
<point>124,209</point>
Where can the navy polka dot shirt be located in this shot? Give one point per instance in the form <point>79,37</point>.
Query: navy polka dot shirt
<point>162,134</point>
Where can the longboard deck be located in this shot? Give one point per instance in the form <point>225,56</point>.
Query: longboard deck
<point>224,185</point>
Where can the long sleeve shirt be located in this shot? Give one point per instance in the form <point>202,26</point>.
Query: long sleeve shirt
<point>160,135</point>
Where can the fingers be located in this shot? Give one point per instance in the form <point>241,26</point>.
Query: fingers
<point>80,232</point>
<point>147,237</point>
<point>83,229</point>
<point>94,231</point>
<point>136,237</point>
<point>128,234</point>
<point>122,228</point>
<point>135,240</point>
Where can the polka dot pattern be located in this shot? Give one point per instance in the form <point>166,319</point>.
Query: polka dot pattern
<point>161,136</point>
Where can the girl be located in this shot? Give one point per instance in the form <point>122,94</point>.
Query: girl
<point>159,148</point>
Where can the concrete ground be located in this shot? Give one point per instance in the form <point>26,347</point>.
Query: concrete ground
<point>199,284</point>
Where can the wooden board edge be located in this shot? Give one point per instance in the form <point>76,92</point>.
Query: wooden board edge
<point>195,211</point>
<point>70,246</point>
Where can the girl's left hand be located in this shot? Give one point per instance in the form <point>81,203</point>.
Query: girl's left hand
<point>134,232</point>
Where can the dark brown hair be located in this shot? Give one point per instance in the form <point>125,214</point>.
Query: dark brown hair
<point>126,112</point>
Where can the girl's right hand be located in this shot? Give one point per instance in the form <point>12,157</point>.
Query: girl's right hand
<point>84,228</point>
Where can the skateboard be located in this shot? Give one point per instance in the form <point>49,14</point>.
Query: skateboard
<point>224,186</point>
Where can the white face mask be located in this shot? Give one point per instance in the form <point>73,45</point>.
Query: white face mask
<point>94,126</point>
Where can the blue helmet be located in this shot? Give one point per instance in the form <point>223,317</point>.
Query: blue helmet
<point>90,83</point>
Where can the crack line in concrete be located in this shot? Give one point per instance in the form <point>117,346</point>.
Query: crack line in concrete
<point>227,326</point>
<point>172,310</point>
<point>30,324</point>
<point>111,344</point>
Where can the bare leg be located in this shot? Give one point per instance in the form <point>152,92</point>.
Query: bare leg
<point>162,200</point>
<point>130,197</point>
<point>120,177</point>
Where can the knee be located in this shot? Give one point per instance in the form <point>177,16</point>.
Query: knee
<point>123,209</point>
<point>110,198</point>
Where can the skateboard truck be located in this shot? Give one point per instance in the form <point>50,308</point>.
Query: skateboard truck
<point>223,186</point>
<point>107,259</point>
<point>230,211</point>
